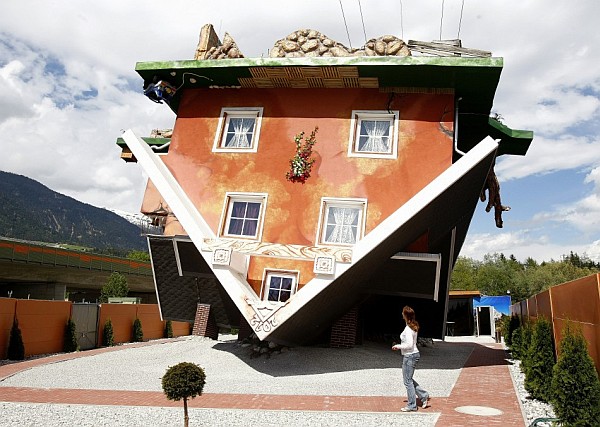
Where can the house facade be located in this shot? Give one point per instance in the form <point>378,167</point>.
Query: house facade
<point>308,196</point>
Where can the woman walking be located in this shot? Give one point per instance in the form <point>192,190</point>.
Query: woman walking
<point>411,356</point>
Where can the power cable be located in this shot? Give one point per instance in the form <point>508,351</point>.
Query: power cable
<point>441,20</point>
<point>345,24</point>
<point>401,22</point>
<point>363,21</point>
<point>460,21</point>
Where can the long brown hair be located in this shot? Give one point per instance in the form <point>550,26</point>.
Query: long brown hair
<point>409,316</point>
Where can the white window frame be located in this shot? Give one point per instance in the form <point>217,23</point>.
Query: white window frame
<point>228,113</point>
<point>358,116</point>
<point>230,198</point>
<point>270,272</point>
<point>326,203</point>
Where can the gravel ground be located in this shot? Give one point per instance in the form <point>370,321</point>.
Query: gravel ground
<point>533,408</point>
<point>371,369</point>
<point>368,370</point>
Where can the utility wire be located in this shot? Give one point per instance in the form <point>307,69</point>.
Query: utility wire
<point>345,24</point>
<point>441,20</point>
<point>363,21</point>
<point>460,21</point>
<point>401,22</point>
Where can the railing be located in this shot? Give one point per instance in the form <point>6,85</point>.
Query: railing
<point>16,251</point>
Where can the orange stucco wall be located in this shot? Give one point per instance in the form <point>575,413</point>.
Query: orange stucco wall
<point>122,317</point>
<point>292,214</point>
<point>42,324</point>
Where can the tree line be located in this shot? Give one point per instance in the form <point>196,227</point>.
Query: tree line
<point>499,275</point>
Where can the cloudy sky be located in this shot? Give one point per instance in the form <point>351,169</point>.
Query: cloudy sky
<point>69,88</point>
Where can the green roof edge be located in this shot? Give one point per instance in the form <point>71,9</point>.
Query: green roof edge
<point>513,141</point>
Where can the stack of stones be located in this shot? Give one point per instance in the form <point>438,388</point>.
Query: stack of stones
<point>226,50</point>
<point>312,43</point>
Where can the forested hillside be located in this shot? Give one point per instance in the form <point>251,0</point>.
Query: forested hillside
<point>31,211</point>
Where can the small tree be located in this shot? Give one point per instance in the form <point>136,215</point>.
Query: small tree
<point>70,343</point>
<point>115,286</point>
<point>540,361</point>
<point>513,323</point>
<point>168,329</point>
<point>183,381</point>
<point>108,335</point>
<point>138,333</point>
<point>575,384</point>
<point>516,342</point>
<point>16,348</point>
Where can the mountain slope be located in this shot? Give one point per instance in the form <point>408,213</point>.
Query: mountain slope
<point>31,211</point>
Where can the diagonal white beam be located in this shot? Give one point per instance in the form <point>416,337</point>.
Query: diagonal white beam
<point>193,223</point>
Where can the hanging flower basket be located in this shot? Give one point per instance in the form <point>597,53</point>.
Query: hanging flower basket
<point>301,163</point>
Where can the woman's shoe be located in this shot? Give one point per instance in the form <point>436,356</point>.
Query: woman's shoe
<point>425,403</point>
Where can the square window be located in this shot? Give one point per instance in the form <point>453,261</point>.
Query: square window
<point>238,130</point>
<point>374,134</point>
<point>279,286</point>
<point>342,221</point>
<point>243,215</point>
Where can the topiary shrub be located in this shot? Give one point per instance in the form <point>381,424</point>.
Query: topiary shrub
<point>16,348</point>
<point>540,361</point>
<point>168,329</point>
<point>108,335</point>
<point>516,340</point>
<point>183,381</point>
<point>513,323</point>
<point>575,385</point>
<point>70,343</point>
<point>138,333</point>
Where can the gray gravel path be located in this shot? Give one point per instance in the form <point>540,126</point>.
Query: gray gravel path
<point>368,370</point>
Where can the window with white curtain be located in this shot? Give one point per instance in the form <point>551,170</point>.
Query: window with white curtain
<point>279,285</point>
<point>243,215</point>
<point>374,134</point>
<point>238,129</point>
<point>342,221</point>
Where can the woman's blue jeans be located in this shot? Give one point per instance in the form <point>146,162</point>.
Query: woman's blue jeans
<point>409,363</point>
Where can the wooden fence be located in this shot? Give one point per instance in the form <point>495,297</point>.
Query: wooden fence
<point>577,301</point>
<point>42,323</point>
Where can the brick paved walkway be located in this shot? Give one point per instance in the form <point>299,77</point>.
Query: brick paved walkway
<point>484,381</point>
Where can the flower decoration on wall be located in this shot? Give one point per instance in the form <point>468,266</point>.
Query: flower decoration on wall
<point>301,163</point>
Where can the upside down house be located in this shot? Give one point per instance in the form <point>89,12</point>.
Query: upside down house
<point>308,196</point>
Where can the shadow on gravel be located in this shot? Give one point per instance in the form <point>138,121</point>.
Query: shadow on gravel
<point>370,355</point>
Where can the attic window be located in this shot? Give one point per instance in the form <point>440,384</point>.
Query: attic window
<point>238,130</point>
<point>279,285</point>
<point>374,134</point>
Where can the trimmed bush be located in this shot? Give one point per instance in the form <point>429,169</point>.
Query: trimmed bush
<point>168,329</point>
<point>575,384</point>
<point>138,333</point>
<point>540,361</point>
<point>16,348</point>
<point>513,323</point>
<point>516,341</point>
<point>70,344</point>
<point>183,381</point>
<point>108,335</point>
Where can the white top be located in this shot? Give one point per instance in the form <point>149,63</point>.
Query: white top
<point>408,338</point>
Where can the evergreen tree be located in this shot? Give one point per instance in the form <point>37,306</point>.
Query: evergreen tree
<point>138,334</point>
<point>168,329</point>
<point>516,341</point>
<point>108,336</point>
<point>575,384</point>
<point>513,323</point>
<point>16,348</point>
<point>70,342</point>
<point>540,361</point>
